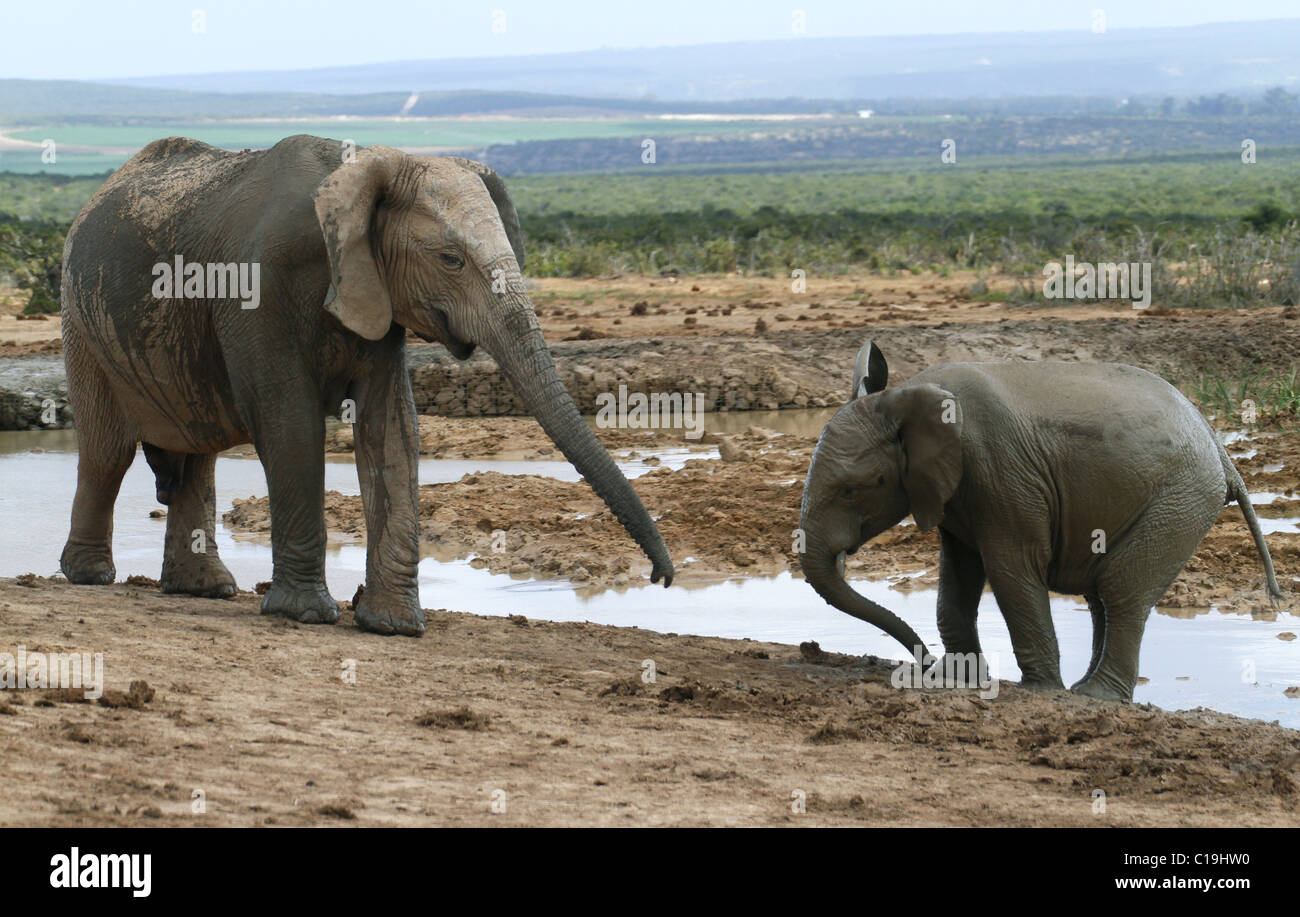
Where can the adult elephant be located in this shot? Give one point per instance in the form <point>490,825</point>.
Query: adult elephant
<point>350,248</point>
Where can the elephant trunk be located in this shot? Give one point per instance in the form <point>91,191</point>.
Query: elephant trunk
<point>521,352</point>
<point>824,570</point>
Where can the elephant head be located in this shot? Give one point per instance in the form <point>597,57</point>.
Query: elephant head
<point>433,244</point>
<point>883,455</point>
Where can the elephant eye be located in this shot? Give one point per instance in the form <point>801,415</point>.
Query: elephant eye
<point>880,481</point>
<point>451,260</point>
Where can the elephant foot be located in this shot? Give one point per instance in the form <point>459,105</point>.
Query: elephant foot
<point>390,613</point>
<point>205,577</point>
<point>306,605</point>
<point>1101,690</point>
<point>86,566</point>
<point>1041,683</point>
<point>960,670</point>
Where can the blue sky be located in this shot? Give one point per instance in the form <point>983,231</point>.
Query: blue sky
<point>64,39</point>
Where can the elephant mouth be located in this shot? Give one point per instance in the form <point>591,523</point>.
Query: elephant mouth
<point>461,350</point>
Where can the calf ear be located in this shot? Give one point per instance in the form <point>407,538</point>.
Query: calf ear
<point>345,208</point>
<point>870,372</point>
<point>930,422</point>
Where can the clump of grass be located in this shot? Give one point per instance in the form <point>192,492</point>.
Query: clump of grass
<point>460,718</point>
<point>1273,394</point>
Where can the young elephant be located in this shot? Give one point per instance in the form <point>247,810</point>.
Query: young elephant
<point>1091,479</point>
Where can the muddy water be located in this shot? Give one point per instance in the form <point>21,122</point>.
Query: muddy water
<point>1227,662</point>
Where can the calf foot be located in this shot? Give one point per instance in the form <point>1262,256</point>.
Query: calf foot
<point>85,565</point>
<point>311,604</point>
<point>390,613</point>
<point>961,670</point>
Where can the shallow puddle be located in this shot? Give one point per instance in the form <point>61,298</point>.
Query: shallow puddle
<point>1231,663</point>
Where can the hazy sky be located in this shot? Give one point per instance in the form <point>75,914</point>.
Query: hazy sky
<point>67,39</point>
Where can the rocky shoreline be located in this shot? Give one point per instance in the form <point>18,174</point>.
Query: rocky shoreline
<point>793,369</point>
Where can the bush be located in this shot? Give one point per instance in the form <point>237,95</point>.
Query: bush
<point>41,303</point>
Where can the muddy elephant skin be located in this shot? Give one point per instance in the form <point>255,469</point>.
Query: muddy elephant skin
<point>213,298</point>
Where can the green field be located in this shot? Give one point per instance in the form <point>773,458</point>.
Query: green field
<point>1217,231</point>
<point>1179,187</point>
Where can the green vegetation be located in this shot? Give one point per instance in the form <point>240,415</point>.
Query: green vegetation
<point>32,254</point>
<point>1274,396</point>
<point>1217,232</point>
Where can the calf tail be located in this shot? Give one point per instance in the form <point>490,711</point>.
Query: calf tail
<point>1237,491</point>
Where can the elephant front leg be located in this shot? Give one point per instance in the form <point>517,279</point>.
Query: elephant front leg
<point>387,454</point>
<point>1026,606</point>
<point>961,583</point>
<point>292,451</point>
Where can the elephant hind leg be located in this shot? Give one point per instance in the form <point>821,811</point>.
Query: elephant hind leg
<point>1098,636</point>
<point>1136,574</point>
<point>1114,675</point>
<point>105,449</point>
<point>190,561</point>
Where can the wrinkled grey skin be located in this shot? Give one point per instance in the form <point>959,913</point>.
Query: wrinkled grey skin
<point>352,255</point>
<point>1020,465</point>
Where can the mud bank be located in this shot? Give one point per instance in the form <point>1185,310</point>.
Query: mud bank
<point>29,385</point>
<point>792,369</point>
<point>557,721</point>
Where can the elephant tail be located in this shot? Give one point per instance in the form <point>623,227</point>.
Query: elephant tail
<point>1237,491</point>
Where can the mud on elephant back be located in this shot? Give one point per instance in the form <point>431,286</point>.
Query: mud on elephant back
<point>298,271</point>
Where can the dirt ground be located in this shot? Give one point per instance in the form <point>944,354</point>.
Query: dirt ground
<point>719,304</point>
<point>557,722</point>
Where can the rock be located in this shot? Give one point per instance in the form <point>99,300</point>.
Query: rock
<point>784,388</point>
<point>730,452</point>
<point>740,557</point>
<point>342,440</point>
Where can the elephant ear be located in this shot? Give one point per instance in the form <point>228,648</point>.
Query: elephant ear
<point>505,207</point>
<point>930,422</point>
<point>345,207</point>
<point>870,372</point>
